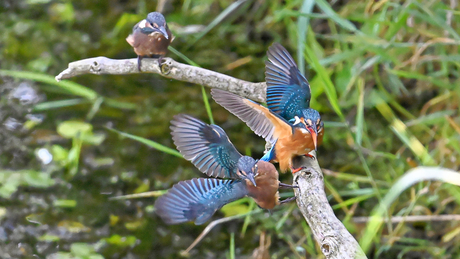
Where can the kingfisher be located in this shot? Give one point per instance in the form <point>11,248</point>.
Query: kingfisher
<point>210,150</point>
<point>288,139</point>
<point>150,38</point>
<point>288,91</point>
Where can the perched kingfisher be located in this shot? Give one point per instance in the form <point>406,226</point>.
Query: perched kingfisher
<point>150,38</point>
<point>210,150</point>
<point>288,139</point>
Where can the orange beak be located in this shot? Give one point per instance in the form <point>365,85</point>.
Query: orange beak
<point>314,136</point>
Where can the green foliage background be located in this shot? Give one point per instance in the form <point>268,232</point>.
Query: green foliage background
<point>384,75</point>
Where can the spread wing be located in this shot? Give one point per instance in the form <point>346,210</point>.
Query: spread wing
<point>197,199</point>
<point>260,119</point>
<point>206,146</point>
<point>287,89</point>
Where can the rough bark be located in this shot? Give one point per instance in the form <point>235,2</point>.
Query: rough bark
<point>169,69</point>
<point>334,239</point>
<point>329,232</point>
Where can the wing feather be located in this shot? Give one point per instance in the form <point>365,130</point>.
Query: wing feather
<point>206,146</point>
<point>198,199</point>
<point>287,89</point>
<point>260,119</point>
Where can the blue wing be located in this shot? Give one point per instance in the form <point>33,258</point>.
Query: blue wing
<point>287,89</point>
<point>198,199</point>
<point>206,146</point>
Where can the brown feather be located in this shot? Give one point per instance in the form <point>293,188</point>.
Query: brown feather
<point>266,193</point>
<point>151,45</point>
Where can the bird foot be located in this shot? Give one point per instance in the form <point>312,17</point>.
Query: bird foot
<point>160,60</point>
<point>139,58</point>
<point>283,185</point>
<point>287,200</point>
<point>295,170</point>
<point>310,156</point>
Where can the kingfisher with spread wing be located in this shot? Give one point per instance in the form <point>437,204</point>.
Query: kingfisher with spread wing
<point>288,123</point>
<point>210,150</point>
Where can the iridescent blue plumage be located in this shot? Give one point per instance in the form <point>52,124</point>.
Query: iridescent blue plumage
<point>198,199</point>
<point>210,150</point>
<point>288,91</point>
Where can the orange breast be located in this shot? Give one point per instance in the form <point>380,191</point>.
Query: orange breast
<point>298,144</point>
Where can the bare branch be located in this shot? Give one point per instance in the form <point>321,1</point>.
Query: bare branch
<point>329,232</point>
<point>169,69</point>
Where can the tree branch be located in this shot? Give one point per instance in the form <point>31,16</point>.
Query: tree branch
<point>329,232</point>
<point>169,69</point>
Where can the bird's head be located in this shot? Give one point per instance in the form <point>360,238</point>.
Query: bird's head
<point>310,120</point>
<point>155,22</point>
<point>247,169</point>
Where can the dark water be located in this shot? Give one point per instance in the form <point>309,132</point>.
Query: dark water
<point>45,207</point>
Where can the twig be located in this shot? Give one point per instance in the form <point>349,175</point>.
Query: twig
<point>329,232</point>
<point>169,69</point>
<point>211,226</point>
<point>413,218</point>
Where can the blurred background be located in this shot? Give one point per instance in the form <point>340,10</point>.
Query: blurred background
<point>384,75</point>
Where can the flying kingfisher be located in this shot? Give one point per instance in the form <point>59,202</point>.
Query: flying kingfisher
<point>210,150</point>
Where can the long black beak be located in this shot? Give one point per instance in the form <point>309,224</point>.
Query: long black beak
<point>251,178</point>
<point>164,32</point>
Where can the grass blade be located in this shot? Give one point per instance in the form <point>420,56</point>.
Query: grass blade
<point>410,178</point>
<point>58,104</point>
<point>203,90</point>
<point>360,113</point>
<point>70,87</point>
<point>224,14</point>
<point>302,25</point>
<point>149,143</point>
<point>326,80</point>
<point>344,23</point>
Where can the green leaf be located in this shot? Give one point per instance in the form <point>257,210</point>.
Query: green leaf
<point>65,203</point>
<point>72,129</point>
<point>37,179</point>
<point>81,249</point>
<point>49,238</point>
<point>121,241</point>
